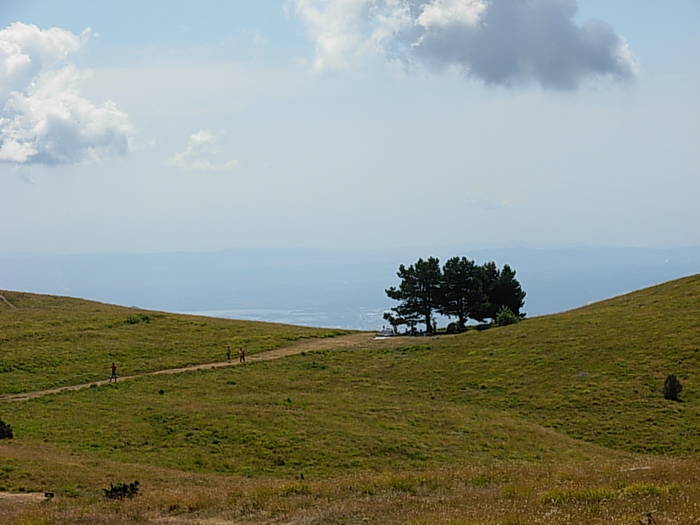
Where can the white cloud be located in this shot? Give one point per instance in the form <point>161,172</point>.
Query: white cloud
<point>332,26</point>
<point>202,154</point>
<point>504,42</point>
<point>441,13</point>
<point>43,117</point>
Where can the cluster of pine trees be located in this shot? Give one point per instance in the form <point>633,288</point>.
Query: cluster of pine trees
<point>460,289</point>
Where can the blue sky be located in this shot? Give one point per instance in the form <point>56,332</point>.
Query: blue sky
<point>230,128</point>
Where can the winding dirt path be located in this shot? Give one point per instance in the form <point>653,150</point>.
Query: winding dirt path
<point>343,342</point>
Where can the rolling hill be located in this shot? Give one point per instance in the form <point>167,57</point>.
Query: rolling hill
<point>49,341</point>
<point>558,419</point>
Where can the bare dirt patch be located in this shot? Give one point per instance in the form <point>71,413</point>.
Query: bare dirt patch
<point>21,497</point>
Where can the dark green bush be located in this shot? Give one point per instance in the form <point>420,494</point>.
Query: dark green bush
<point>121,490</point>
<point>5,430</point>
<point>453,328</point>
<point>672,387</point>
<point>138,318</point>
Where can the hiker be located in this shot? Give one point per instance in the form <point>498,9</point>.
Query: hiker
<point>114,374</point>
<point>241,355</point>
<point>228,353</point>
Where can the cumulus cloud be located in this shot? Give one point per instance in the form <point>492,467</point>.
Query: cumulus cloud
<point>505,42</point>
<point>202,153</point>
<point>43,117</point>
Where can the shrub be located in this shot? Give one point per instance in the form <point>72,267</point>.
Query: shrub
<point>121,490</point>
<point>138,318</point>
<point>5,430</point>
<point>453,328</point>
<point>672,387</point>
<point>505,317</point>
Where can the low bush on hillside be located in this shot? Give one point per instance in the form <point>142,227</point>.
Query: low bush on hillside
<point>672,387</point>
<point>505,317</point>
<point>5,430</point>
<point>121,490</point>
<point>454,328</point>
<point>138,318</point>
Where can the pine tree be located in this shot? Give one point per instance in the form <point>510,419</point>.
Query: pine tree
<point>419,291</point>
<point>488,275</point>
<point>507,292</point>
<point>501,289</point>
<point>462,294</point>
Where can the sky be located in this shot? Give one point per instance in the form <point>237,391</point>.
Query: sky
<point>355,124</point>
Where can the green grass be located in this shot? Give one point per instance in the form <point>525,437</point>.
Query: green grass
<point>49,341</point>
<point>284,418</point>
<point>579,390</point>
<point>515,392</point>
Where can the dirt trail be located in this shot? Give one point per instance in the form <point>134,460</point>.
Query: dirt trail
<point>362,340</point>
<point>22,497</point>
<point>8,303</point>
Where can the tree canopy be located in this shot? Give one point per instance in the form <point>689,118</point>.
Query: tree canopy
<point>419,292</point>
<point>461,289</point>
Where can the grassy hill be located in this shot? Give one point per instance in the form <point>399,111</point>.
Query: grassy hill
<point>554,420</point>
<point>48,341</point>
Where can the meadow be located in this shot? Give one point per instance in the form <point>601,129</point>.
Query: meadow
<point>558,419</point>
<point>51,341</point>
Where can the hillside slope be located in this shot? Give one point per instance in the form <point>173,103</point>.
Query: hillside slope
<point>595,372</point>
<point>49,341</point>
<point>569,404</point>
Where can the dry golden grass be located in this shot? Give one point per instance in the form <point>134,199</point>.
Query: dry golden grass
<point>613,492</point>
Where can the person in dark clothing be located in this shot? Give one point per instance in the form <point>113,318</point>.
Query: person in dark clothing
<point>114,373</point>
<point>241,355</point>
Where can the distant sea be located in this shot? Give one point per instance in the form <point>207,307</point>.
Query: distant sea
<point>326,288</point>
<point>362,318</point>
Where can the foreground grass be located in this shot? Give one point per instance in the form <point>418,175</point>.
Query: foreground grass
<point>48,341</point>
<point>601,492</point>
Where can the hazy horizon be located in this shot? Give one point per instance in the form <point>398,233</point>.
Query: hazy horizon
<point>330,288</point>
<point>378,130</point>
